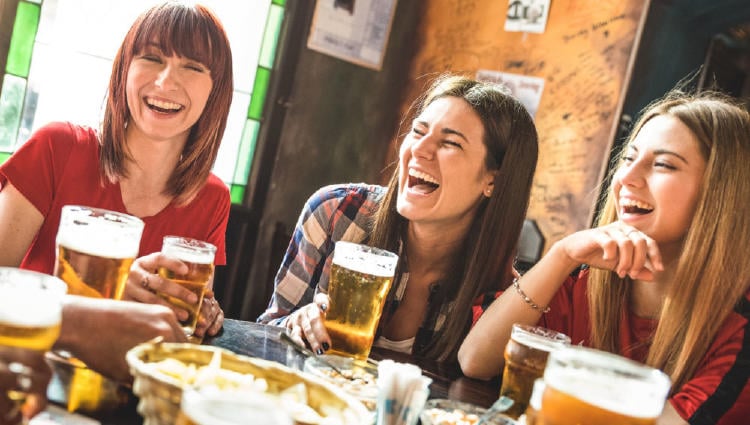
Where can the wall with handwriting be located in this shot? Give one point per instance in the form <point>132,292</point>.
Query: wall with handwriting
<point>583,56</point>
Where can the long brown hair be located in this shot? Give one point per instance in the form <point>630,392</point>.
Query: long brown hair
<point>489,247</point>
<point>189,31</point>
<point>710,277</point>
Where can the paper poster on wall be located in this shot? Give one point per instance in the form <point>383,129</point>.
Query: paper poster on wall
<point>528,90</point>
<point>527,15</point>
<point>353,30</point>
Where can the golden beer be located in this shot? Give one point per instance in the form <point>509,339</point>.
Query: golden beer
<point>91,275</point>
<point>360,279</point>
<point>30,313</point>
<point>525,358</point>
<point>590,387</point>
<point>30,309</point>
<point>199,257</point>
<point>95,249</point>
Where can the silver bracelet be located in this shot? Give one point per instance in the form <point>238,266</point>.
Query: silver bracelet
<point>528,300</point>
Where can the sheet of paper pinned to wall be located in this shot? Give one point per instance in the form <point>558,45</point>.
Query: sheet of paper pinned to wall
<point>353,30</point>
<point>527,15</point>
<point>527,89</point>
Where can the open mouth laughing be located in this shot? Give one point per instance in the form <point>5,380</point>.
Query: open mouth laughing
<point>632,206</point>
<point>162,106</point>
<point>421,182</point>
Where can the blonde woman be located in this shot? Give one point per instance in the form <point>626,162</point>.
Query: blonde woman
<point>665,285</point>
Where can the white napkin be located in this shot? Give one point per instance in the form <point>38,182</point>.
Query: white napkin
<point>402,392</point>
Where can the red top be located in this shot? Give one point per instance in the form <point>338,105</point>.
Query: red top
<point>59,165</point>
<point>717,393</point>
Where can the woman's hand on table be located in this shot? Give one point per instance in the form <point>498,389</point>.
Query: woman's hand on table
<point>211,318</point>
<point>26,371</point>
<point>101,331</point>
<point>144,285</point>
<point>306,324</point>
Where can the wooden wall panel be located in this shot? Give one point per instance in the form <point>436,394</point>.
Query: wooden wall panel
<point>584,56</point>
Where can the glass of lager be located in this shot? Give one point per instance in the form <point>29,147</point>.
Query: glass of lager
<point>199,257</point>
<point>211,406</point>
<point>30,313</point>
<point>360,279</point>
<point>95,249</point>
<point>525,358</point>
<point>584,386</point>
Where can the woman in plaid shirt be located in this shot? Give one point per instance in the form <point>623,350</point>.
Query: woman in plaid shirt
<point>453,211</point>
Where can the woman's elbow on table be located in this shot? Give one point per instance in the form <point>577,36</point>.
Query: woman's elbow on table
<point>475,366</point>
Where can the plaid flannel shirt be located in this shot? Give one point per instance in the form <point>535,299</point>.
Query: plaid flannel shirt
<point>342,213</point>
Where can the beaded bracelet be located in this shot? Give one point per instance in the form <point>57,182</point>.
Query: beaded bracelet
<point>528,300</point>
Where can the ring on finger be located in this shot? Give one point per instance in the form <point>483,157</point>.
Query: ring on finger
<point>631,231</point>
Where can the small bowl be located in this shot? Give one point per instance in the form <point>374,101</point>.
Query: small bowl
<point>442,411</point>
<point>359,379</point>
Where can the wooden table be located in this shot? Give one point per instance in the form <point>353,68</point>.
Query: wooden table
<point>257,340</point>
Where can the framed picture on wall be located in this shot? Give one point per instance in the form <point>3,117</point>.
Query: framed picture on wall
<point>352,30</point>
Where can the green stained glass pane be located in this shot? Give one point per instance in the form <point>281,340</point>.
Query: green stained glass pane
<point>22,40</point>
<point>279,2</point>
<point>246,152</point>
<point>4,156</point>
<point>237,192</point>
<point>271,36</point>
<point>11,106</point>
<point>260,89</point>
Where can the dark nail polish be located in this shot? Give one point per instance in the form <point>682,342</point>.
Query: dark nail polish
<point>326,346</point>
<point>324,306</point>
<point>319,351</point>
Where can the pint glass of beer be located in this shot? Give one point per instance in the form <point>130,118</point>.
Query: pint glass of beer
<point>199,257</point>
<point>584,386</point>
<point>95,249</point>
<point>360,279</point>
<point>30,312</point>
<point>525,359</point>
<point>211,406</point>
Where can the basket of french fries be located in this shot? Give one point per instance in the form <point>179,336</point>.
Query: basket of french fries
<point>162,371</point>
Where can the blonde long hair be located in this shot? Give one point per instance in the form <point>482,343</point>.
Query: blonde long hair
<point>710,277</point>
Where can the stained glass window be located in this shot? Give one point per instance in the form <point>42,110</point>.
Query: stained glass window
<point>60,57</point>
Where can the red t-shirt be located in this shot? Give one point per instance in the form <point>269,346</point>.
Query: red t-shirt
<point>717,393</point>
<point>59,165</point>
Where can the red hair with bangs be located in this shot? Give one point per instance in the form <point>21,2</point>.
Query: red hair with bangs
<point>190,31</point>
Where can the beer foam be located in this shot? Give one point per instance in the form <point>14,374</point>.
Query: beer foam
<point>538,342</point>
<point>186,254</point>
<point>99,241</point>
<point>29,307</point>
<point>99,232</point>
<point>612,383</point>
<point>364,259</point>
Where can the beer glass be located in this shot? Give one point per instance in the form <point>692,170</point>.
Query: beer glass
<point>211,406</point>
<point>199,257</point>
<point>525,358</point>
<point>535,403</point>
<point>584,386</point>
<point>30,313</point>
<point>360,279</point>
<point>95,249</point>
